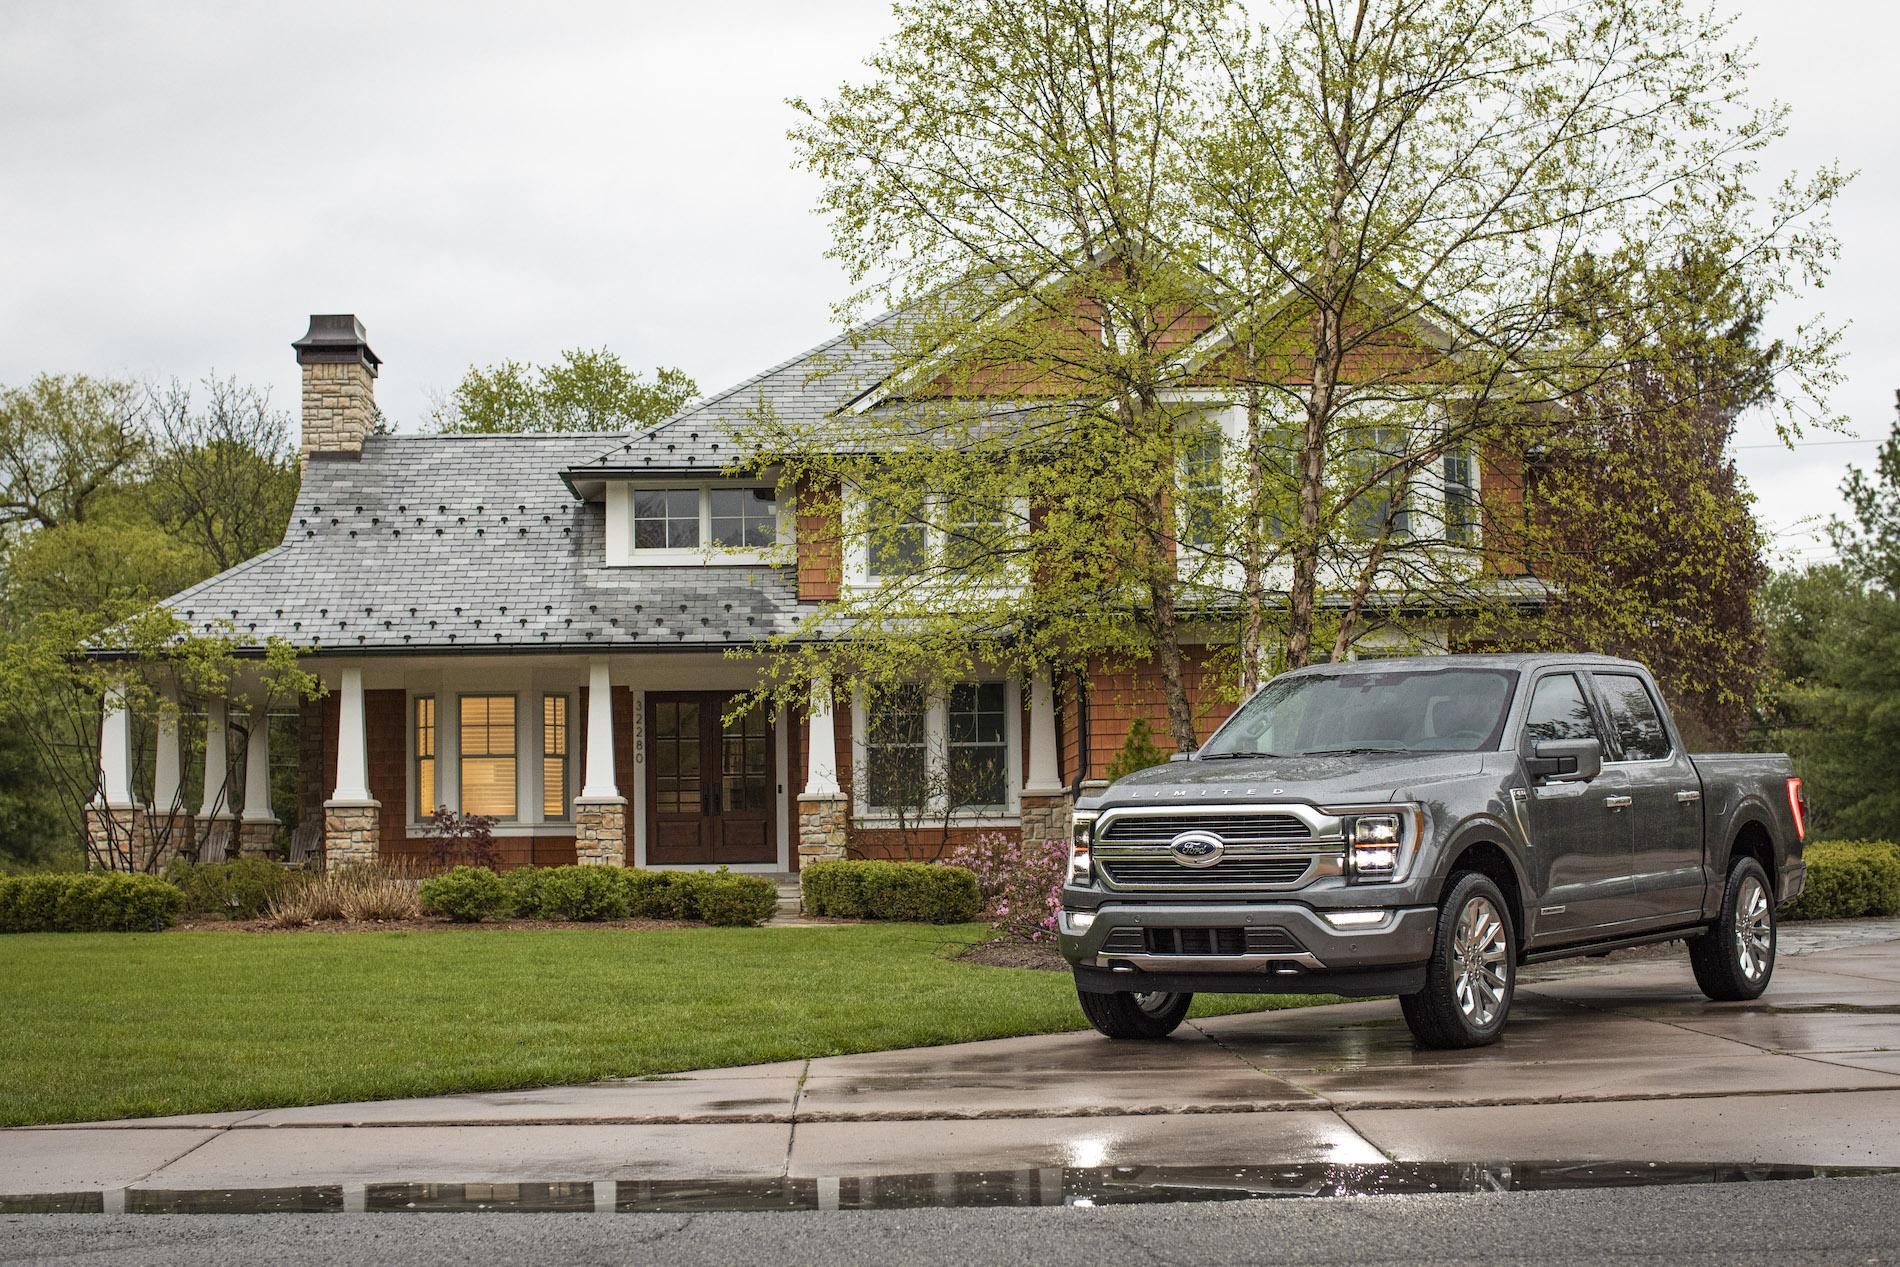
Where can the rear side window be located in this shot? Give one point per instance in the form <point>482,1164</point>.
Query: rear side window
<point>1558,711</point>
<point>1634,717</point>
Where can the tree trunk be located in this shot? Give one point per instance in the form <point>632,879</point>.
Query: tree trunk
<point>1253,583</point>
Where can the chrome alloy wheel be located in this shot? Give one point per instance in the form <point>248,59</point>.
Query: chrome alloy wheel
<point>1478,953</point>
<point>1754,929</point>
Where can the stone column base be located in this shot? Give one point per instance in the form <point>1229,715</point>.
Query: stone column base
<point>170,835</point>
<point>1047,816</point>
<point>821,828</point>
<point>257,838</point>
<point>118,838</point>
<point>352,833</point>
<point>600,831</point>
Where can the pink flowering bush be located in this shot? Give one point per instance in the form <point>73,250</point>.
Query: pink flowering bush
<point>1021,882</point>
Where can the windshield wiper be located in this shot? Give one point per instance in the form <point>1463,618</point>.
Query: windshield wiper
<point>1348,752</point>
<point>1235,756</point>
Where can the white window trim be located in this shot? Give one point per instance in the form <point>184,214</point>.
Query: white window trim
<point>618,496</point>
<point>529,685</point>
<point>936,755</point>
<point>857,562</point>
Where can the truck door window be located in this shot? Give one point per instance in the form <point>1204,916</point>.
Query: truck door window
<point>1634,717</point>
<point>1558,711</point>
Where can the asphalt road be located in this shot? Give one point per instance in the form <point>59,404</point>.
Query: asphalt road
<point>1785,1223</point>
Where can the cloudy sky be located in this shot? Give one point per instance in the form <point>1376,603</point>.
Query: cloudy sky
<point>181,183</point>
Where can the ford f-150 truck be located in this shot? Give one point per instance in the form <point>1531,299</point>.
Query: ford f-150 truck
<point>1422,827</point>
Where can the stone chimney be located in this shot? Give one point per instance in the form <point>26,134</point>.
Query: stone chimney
<point>339,385</point>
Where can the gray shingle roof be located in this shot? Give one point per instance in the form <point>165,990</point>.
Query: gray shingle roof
<point>473,543</point>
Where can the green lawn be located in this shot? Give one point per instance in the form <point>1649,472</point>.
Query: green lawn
<point>130,1025</point>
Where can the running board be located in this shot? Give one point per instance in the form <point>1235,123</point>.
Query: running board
<point>1680,933</point>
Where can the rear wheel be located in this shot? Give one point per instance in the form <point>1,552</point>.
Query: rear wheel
<point>1472,974</point>
<point>1152,1015</point>
<point>1734,960</point>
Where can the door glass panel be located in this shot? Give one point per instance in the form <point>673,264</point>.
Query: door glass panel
<point>1558,711</point>
<point>744,764</point>
<point>1633,717</point>
<point>676,756</point>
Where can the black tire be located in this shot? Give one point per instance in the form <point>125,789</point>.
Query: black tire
<point>1735,960</point>
<point>1472,975</point>
<point>1132,1015</point>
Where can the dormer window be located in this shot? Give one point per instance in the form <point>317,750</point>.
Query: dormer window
<point>693,523</point>
<point>666,518</point>
<point>744,518</point>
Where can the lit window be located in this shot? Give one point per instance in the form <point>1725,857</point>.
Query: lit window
<point>665,518</point>
<point>488,755</point>
<point>425,756</point>
<point>978,722</point>
<point>896,766</point>
<point>744,518</point>
<point>554,756</point>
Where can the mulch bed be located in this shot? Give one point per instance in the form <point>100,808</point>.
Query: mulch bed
<point>201,925</point>
<point>1004,953</point>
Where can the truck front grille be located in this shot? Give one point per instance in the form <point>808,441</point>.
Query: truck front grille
<point>1235,829</point>
<point>1200,941</point>
<point>1232,871</point>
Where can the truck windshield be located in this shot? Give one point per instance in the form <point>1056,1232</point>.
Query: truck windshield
<point>1416,710</point>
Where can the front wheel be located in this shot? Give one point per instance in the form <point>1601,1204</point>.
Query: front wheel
<point>1473,970</point>
<point>1734,960</point>
<point>1152,1015</point>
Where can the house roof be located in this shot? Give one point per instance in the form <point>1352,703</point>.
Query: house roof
<point>472,543</point>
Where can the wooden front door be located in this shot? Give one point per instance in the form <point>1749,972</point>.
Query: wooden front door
<point>709,781</point>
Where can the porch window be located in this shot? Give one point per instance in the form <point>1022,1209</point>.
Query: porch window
<point>488,755</point>
<point>666,518</point>
<point>897,773</point>
<point>425,756</point>
<point>554,740</point>
<point>978,724</point>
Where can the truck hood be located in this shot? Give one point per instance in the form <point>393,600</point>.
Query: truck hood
<point>1312,780</point>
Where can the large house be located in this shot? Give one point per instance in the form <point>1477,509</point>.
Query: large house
<point>537,628</point>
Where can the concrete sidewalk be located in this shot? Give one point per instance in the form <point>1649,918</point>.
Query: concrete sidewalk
<point>1621,1061</point>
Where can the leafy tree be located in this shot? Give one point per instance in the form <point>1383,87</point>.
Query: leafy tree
<point>586,390</point>
<point>1099,223</point>
<point>223,475</point>
<point>67,442</point>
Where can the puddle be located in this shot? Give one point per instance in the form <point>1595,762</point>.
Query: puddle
<point>1052,1186</point>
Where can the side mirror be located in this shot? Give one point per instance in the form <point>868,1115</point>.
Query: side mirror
<point>1565,761</point>
<point>1180,756</point>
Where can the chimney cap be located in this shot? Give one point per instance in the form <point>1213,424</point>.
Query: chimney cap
<point>335,338</point>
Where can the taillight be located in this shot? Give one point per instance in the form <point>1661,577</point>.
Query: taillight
<point>1798,805</point>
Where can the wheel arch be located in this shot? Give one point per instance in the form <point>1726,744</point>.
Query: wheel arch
<point>1489,856</point>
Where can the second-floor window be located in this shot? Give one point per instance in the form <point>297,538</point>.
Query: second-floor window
<point>1459,473</point>
<point>934,533</point>
<point>690,517</point>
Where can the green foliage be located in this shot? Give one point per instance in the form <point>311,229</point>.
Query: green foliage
<point>1138,751</point>
<point>658,894</point>
<point>926,892</point>
<point>604,893</point>
<point>733,901</point>
<point>577,893</point>
<point>466,895</point>
<point>108,902</point>
<point>67,444</point>
<point>1848,879</point>
<point>242,888</point>
<point>586,390</point>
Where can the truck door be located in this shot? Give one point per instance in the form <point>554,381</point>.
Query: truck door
<point>1665,794</point>
<point>1580,842</point>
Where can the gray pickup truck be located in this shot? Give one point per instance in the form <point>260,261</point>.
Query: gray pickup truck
<point>1422,827</point>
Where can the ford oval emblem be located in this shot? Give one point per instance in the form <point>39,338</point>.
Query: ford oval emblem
<point>1196,848</point>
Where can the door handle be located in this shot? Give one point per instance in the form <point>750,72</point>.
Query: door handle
<point>1617,802</point>
<point>1688,798</point>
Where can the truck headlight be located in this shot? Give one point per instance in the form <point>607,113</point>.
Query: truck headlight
<point>1374,843</point>
<point>1081,837</point>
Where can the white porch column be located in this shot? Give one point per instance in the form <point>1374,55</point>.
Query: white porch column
<point>115,752</point>
<point>352,746</point>
<point>599,782</point>
<point>257,771</point>
<point>1040,775</point>
<point>215,803</point>
<point>167,765</point>
<point>821,751</point>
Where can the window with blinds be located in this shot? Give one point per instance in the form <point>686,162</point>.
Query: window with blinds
<point>554,741</point>
<point>426,801</point>
<point>488,755</point>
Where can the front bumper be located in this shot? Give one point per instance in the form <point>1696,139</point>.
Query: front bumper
<point>1310,956</point>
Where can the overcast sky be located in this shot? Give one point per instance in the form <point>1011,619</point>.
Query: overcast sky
<point>182,183</point>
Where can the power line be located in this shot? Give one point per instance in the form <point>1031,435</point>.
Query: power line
<point>1807,444</point>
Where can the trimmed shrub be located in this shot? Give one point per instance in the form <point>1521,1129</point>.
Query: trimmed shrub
<point>522,887</point>
<point>580,893</point>
<point>733,901</point>
<point>466,895</point>
<point>1848,878</point>
<point>242,888</point>
<point>926,892</point>
<point>658,894</point>
<point>108,902</point>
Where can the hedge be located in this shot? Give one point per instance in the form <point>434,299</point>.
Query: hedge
<point>242,888</point>
<point>466,895</point>
<point>603,893</point>
<point>1848,878</point>
<point>928,892</point>
<point>108,902</point>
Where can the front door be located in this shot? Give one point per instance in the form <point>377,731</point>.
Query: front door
<point>1579,833</point>
<point>709,781</point>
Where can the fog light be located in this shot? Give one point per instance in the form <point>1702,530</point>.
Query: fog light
<point>1355,919</point>
<point>1079,920</point>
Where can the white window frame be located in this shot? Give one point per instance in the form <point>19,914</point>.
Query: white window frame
<point>527,682</point>
<point>618,496</point>
<point>857,562</point>
<point>936,758</point>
